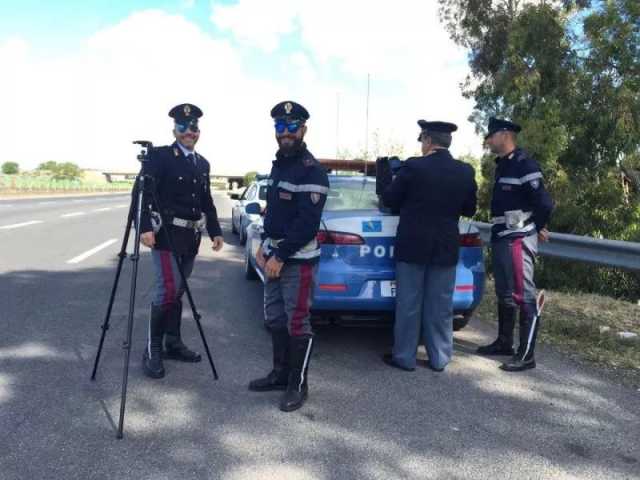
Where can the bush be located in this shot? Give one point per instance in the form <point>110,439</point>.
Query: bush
<point>10,168</point>
<point>249,177</point>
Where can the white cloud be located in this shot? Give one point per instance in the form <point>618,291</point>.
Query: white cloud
<point>87,106</point>
<point>415,68</point>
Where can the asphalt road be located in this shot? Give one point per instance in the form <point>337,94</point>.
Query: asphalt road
<point>363,420</point>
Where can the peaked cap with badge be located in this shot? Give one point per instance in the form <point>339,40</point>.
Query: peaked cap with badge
<point>289,110</point>
<point>185,113</point>
<point>437,127</point>
<point>500,125</point>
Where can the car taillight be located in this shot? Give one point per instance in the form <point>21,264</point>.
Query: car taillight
<point>327,237</point>
<point>470,240</point>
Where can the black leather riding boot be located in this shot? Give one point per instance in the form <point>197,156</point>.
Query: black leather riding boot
<point>297,388</point>
<point>503,345</point>
<point>174,348</point>
<point>529,326</point>
<point>278,378</point>
<point>152,358</point>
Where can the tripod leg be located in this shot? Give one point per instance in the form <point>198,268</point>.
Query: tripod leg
<point>197,317</point>
<point>121,256</point>
<point>132,304</point>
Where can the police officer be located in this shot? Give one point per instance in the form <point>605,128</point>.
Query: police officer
<point>289,254</point>
<point>180,177</point>
<point>520,210</point>
<point>431,192</point>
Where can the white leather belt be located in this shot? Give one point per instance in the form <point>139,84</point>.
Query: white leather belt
<point>310,250</point>
<point>199,225</point>
<point>513,219</point>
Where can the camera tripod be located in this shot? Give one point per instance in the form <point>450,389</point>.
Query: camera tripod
<point>134,218</point>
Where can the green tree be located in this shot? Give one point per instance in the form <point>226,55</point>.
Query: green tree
<point>569,73</point>
<point>10,168</point>
<point>249,177</point>
<point>67,171</point>
<point>48,166</point>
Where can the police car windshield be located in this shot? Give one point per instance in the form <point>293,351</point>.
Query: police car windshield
<point>351,193</point>
<point>262,194</point>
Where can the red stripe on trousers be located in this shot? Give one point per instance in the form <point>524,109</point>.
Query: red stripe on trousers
<point>302,306</point>
<point>518,271</point>
<point>167,278</point>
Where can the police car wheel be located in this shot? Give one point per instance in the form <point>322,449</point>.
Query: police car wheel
<point>233,225</point>
<point>461,320</point>
<point>249,271</point>
<point>243,234</point>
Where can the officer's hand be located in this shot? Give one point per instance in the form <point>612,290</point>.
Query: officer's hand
<point>543,235</point>
<point>260,257</point>
<point>273,267</point>
<point>148,239</point>
<point>217,243</point>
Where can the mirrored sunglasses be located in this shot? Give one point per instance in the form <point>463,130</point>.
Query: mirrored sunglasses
<point>291,127</point>
<point>182,128</point>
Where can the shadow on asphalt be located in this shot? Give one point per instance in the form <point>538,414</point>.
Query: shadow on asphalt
<point>363,420</point>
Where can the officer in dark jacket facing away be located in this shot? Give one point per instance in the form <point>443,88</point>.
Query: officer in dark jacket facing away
<point>431,192</point>
<point>520,210</point>
<point>180,177</point>
<point>289,254</point>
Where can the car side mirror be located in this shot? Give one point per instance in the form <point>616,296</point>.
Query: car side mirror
<point>234,196</point>
<point>253,208</point>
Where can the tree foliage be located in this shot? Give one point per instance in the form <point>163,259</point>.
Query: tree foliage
<point>10,168</point>
<point>61,171</point>
<point>569,72</point>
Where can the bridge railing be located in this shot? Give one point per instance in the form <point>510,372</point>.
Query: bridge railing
<point>612,253</point>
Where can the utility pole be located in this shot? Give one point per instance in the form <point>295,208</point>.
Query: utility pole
<point>366,133</point>
<point>337,124</point>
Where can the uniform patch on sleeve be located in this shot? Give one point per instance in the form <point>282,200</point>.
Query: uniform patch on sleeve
<point>315,197</point>
<point>535,184</point>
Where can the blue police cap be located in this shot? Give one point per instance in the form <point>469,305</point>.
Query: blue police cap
<point>185,113</point>
<point>436,127</point>
<point>289,110</point>
<point>499,125</point>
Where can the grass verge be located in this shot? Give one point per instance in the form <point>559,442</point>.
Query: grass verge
<point>572,323</point>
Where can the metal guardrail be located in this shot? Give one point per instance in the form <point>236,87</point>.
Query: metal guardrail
<point>612,253</point>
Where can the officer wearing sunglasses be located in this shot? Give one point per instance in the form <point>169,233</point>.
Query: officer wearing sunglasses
<point>289,254</point>
<point>180,177</point>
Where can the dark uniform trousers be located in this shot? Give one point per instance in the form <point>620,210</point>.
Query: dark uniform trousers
<point>431,193</point>
<point>180,184</point>
<point>287,299</point>
<point>520,207</point>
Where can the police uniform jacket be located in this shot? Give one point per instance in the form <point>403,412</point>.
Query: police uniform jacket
<point>431,193</point>
<point>297,191</point>
<point>519,186</point>
<point>183,191</point>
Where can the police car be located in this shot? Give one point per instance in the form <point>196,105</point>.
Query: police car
<point>356,274</point>
<point>240,219</point>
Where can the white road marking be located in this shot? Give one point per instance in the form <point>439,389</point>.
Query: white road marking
<point>121,206</point>
<point>106,209</point>
<point>18,225</point>
<point>6,205</point>
<point>79,201</point>
<point>74,214</point>
<point>45,203</point>
<point>93,251</point>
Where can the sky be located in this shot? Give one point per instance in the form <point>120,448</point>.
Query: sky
<point>82,79</point>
